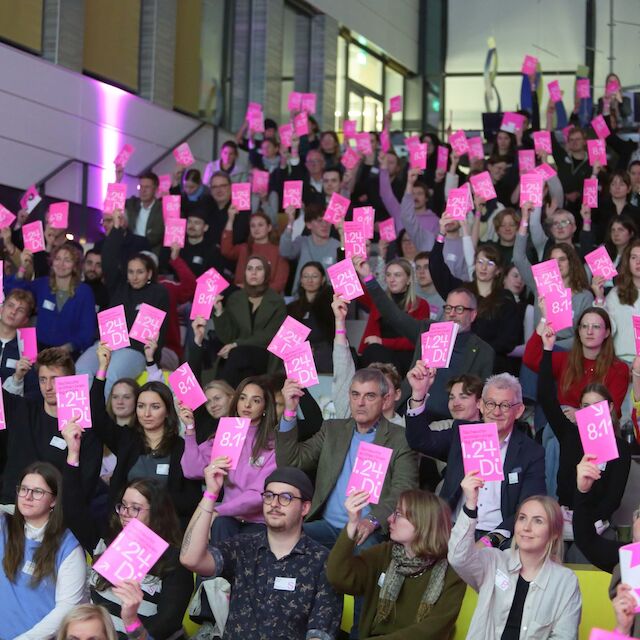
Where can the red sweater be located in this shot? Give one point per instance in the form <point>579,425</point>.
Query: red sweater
<point>241,252</point>
<point>616,380</point>
<point>420,311</point>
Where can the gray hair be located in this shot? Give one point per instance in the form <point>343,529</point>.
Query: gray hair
<point>372,375</point>
<point>564,212</point>
<point>473,300</point>
<point>503,381</point>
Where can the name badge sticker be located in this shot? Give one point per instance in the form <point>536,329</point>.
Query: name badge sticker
<point>11,363</point>
<point>162,469</point>
<point>48,305</point>
<point>502,580</point>
<point>513,477</point>
<point>58,443</point>
<point>381,579</point>
<point>284,584</point>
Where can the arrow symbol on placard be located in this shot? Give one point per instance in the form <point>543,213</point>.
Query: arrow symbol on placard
<point>598,409</point>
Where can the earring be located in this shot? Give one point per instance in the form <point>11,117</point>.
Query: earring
<point>264,413</point>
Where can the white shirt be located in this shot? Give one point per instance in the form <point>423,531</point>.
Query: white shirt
<point>143,218</point>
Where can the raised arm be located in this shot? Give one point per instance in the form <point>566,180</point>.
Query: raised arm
<point>343,365</point>
<point>443,279</point>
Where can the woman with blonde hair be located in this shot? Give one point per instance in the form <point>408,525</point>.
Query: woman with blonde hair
<point>87,622</point>
<point>523,592</point>
<point>407,584</point>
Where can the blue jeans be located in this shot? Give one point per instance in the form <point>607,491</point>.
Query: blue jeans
<point>125,363</point>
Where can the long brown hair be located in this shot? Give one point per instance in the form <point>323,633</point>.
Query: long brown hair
<point>627,290</point>
<point>489,304</point>
<point>76,256</point>
<point>577,276</point>
<point>170,433</point>
<point>135,389</point>
<point>574,369</point>
<point>431,518</point>
<point>44,558</point>
<point>267,428</point>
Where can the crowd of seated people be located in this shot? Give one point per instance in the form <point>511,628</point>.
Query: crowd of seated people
<point>279,533</point>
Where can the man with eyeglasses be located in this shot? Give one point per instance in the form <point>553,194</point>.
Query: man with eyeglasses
<point>278,581</point>
<point>522,458</point>
<point>331,454</point>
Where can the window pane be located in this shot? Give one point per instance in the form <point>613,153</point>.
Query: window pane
<point>288,43</point>
<point>365,69</point>
<point>211,57</point>
<point>372,114</point>
<point>356,107</point>
<point>394,86</point>
<point>341,70</point>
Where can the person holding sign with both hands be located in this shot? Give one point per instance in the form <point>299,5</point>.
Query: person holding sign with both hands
<point>523,592</point>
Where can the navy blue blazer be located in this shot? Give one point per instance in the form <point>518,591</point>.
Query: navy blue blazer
<point>523,464</point>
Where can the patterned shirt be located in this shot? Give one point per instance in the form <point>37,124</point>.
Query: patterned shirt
<point>275,599</point>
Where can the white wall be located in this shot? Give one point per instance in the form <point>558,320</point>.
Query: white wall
<point>391,25</point>
<point>51,114</point>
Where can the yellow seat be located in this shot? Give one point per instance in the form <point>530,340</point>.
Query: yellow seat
<point>142,378</point>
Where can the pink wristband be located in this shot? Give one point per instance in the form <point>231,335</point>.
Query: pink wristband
<point>101,375</point>
<point>133,626</point>
<point>439,238</point>
<point>341,331</point>
<point>210,496</point>
<point>369,277</point>
<point>485,541</point>
<point>289,414</point>
<point>478,214</point>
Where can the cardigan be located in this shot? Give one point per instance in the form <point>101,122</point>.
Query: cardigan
<point>621,315</point>
<point>360,575</point>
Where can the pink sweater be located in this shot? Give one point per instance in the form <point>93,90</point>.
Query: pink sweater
<point>244,484</point>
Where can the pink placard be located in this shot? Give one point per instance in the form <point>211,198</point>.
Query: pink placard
<point>366,216</point>
<point>512,122</point>
<point>259,182</point>
<point>28,343</point>
<point>182,154</point>
<point>531,189</point>
<point>115,198</point>
<point>72,400</point>
<point>112,325</point>
<point>559,309</point>
<point>369,470</point>
<point>300,365</point>
<point>174,232</point>
<point>337,208</point>
<point>6,217</point>
<point>481,450</point>
<point>344,280</point>
<point>597,152</point>
<point>636,332</point>
<point>30,199</point>
<point>458,142</point>
<point>58,217</point>
<point>164,185</point>
<point>241,195</point>
<point>350,158</point>
<point>418,157</point>
<point>286,134</point>
<point>529,65</point>
<point>459,203</point>
<point>290,334</point>
<point>476,148</point>
<point>395,104</point>
<point>171,207</point>
<point>252,108</point>
<point>596,432</point>
<point>411,141</point>
<point>442,163</point>
<point>123,157</point>
<point>483,186</point>
<point>33,236</point>
<point>613,86</point>
<point>542,141</point>
<point>583,88</point>
<point>147,324</point>
<point>630,572</point>
<point>132,554</point>
<point>208,286</point>
<point>308,102</point>
<point>437,344</point>
<point>355,243</point>
<point>600,127</point>
<point>545,170</point>
<point>3,421</point>
<point>590,192</point>
<point>255,119</point>
<point>293,101</point>
<point>186,388</point>
<point>600,263</point>
<point>555,93</point>
<point>387,230</point>
<point>301,124</point>
<point>526,160</point>
<point>363,143</point>
<point>1,288</point>
<point>229,439</point>
<point>601,634</point>
<point>547,277</point>
<point>292,194</point>
<point>349,129</point>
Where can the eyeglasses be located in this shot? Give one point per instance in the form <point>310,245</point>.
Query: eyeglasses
<point>368,397</point>
<point>594,327</point>
<point>458,308</point>
<point>484,261</point>
<point>220,186</point>
<point>36,494</point>
<point>491,406</point>
<point>132,509</point>
<point>561,224</point>
<point>398,514</point>
<point>284,499</point>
